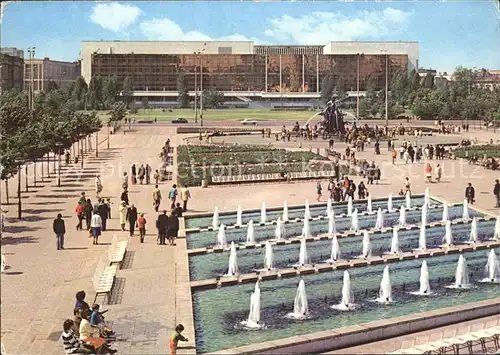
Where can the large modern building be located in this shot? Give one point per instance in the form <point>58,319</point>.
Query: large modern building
<point>11,69</point>
<point>243,69</point>
<point>47,70</point>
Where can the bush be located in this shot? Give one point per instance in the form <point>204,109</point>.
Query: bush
<point>491,151</point>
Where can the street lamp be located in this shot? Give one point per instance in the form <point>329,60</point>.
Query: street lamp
<point>31,51</point>
<point>201,83</point>
<point>19,162</point>
<point>386,88</point>
<point>97,144</point>
<point>59,146</point>
<point>357,86</point>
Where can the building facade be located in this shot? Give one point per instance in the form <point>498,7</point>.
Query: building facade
<point>11,69</point>
<point>47,70</point>
<point>239,68</point>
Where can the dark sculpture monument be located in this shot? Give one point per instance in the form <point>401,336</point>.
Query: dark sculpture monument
<point>333,119</point>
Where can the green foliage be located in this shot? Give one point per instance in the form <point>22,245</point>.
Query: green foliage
<point>183,98</point>
<point>145,103</point>
<point>428,81</point>
<point>340,88</point>
<point>491,151</point>
<point>127,91</point>
<point>212,98</point>
<point>327,86</point>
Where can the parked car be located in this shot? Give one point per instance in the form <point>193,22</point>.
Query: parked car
<point>248,121</point>
<point>180,120</point>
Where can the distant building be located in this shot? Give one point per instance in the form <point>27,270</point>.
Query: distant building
<point>11,69</point>
<point>47,70</point>
<point>243,70</point>
<point>423,72</point>
<point>487,79</point>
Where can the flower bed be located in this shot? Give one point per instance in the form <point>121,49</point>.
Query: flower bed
<point>216,149</point>
<point>491,151</point>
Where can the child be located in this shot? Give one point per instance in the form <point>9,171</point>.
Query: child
<point>141,224</point>
<point>175,339</point>
<point>97,320</point>
<point>108,202</point>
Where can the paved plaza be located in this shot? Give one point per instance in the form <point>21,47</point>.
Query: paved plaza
<point>38,288</point>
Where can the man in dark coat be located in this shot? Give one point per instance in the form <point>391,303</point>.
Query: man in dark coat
<point>59,229</point>
<point>132,218</point>
<point>172,227</point>
<point>104,213</point>
<point>496,191</point>
<point>161,225</point>
<point>124,197</point>
<point>470,193</point>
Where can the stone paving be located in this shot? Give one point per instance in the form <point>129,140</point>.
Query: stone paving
<point>39,286</point>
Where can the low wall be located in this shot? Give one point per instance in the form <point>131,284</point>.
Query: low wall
<point>188,130</point>
<point>370,332</point>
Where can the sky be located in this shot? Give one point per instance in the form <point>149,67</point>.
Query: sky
<point>450,33</point>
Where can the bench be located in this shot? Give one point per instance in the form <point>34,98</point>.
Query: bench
<point>104,279</point>
<point>116,252</point>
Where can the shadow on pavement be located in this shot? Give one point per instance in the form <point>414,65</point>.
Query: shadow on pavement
<point>19,240</point>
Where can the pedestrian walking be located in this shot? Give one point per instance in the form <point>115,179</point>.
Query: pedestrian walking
<point>141,224</point>
<point>123,214</point>
<point>156,198</point>
<point>439,173</point>
<point>319,190</point>
<point>428,172</point>
<point>88,210</point>
<point>124,196</point>
<point>470,193</point>
<point>156,176</point>
<point>132,219</point>
<point>496,191</point>
<point>103,212</point>
<point>96,227</point>
<point>80,214</point>
<point>185,196</point>
<point>393,155</point>
<point>141,173</point>
<point>172,227</point>
<point>125,181</point>
<point>60,230</point>
<point>407,186</point>
<point>161,226</point>
<point>148,174</point>
<point>108,205</point>
<point>134,174</point>
<point>98,186</point>
<point>172,196</point>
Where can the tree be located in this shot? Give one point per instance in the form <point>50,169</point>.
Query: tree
<point>145,103</point>
<point>364,108</point>
<point>327,86</point>
<point>94,94</point>
<point>183,98</point>
<point>51,85</point>
<point>428,81</point>
<point>118,112</point>
<point>110,90</point>
<point>212,98</point>
<point>399,87</point>
<point>340,88</point>
<point>79,92</point>
<point>127,92</point>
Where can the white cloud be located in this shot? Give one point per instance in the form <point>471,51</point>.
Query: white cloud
<point>167,30</point>
<point>114,16</point>
<point>321,27</point>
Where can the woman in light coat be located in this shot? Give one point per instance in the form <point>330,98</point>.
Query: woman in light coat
<point>123,214</point>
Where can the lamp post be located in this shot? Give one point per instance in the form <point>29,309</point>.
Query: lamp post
<point>97,144</point>
<point>108,135</point>
<point>195,87</point>
<point>357,87</point>
<point>386,88</point>
<point>19,162</point>
<point>201,83</point>
<point>59,146</point>
<point>31,51</point>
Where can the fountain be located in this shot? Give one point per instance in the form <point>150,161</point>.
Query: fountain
<point>347,303</point>
<point>349,206</point>
<point>424,213</point>
<point>408,200</point>
<point>233,262</point>
<point>332,228</point>
<point>448,237</point>
<point>250,233</point>
<point>492,273</point>
<point>367,248</point>
<point>306,229</point>
<point>335,255</point>
<point>215,218</point>
<point>422,239</point>
<point>303,258</point>
<point>253,321</point>
<point>239,216</point>
<point>268,258</point>
<point>496,234</point>
<point>425,288</point>
<point>263,217</point>
<point>427,200</point>
<point>329,208</point>
<point>285,211</point>
<point>445,212</point>
<point>389,203</point>
<point>395,241</point>
<point>379,224</point>
<point>221,237</point>
<point>385,293</point>
<point>402,216</point>
<point>300,305</point>
<point>369,204</point>
<point>473,231</point>
<point>465,213</point>
<point>307,211</point>
<point>279,229</point>
<point>355,221</point>
<point>461,274</point>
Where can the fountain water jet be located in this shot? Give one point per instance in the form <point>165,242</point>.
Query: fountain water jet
<point>263,217</point>
<point>461,274</point>
<point>445,213</point>
<point>250,233</point>
<point>448,236</point>
<point>285,211</point>
<point>465,213</point>
<point>306,229</point>
<point>300,305</point>
<point>389,203</point>
<point>408,200</point>
<point>427,200</point>
<point>424,213</point>
<point>473,231</point>
<point>492,273</point>
<point>349,206</point>
<point>496,233</point>
<point>335,254</point>
<point>385,293</point>
<point>355,221</point>
<point>329,208</point>
<point>422,239</point>
<point>279,229</point>
<point>367,247</point>
<point>395,241</point>
<point>307,211</point>
<point>425,288</point>
<point>332,228</point>
<point>239,216</point>
<point>369,204</point>
<point>303,257</point>
<point>379,224</point>
<point>347,303</point>
<point>233,262</point>
<point>402,216</point>
<point>268,258</point>
<point>221,236</point>
<point>215,218</point>
<point>253,321</point>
